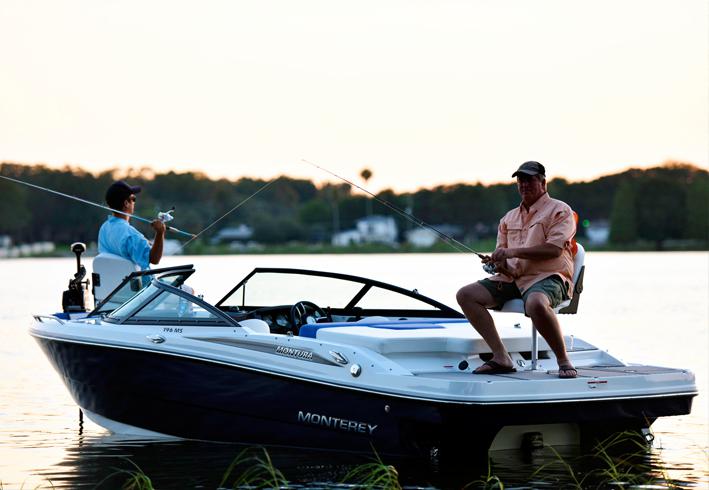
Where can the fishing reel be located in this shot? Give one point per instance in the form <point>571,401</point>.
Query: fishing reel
<point>74,298</point>
<point>166,216</point>
<point>490,268</point>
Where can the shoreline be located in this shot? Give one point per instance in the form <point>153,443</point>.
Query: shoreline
<point>483,246</point>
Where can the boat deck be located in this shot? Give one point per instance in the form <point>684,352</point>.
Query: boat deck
<point>583,372</point>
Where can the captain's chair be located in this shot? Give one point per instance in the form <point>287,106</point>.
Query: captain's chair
<point>108,272</point>
<point>567,307</point>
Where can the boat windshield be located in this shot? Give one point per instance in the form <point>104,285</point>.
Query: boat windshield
<point>137,281</point>
<point>156,304</point>
<point>136,301</point>
<point>289,286</point>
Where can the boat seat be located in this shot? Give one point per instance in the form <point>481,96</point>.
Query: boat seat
<point>567,307</point>
<point>311,329</point>
<point>108,272</point>
<point>255,325</point>
<point>457,338</point>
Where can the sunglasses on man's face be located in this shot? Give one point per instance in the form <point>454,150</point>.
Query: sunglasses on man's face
<point>132,198</point>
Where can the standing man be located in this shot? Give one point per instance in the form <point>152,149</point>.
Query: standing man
<point>534,261</point>
<point>118,237</point>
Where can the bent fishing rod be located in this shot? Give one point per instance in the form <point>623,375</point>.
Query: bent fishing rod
<point>162,216</point>
<point>413,219</point>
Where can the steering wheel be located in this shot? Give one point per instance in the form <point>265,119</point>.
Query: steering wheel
<point>305,312</point>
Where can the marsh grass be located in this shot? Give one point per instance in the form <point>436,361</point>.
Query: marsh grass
<point>136,478</point>
<point>257,471</point>
<point>621,460</point>
<point>488,481</point>
<point>374,475</point>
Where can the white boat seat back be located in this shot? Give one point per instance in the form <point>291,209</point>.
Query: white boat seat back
<point>255,325</point>
<point>569,306</point>
<point>108,272</point>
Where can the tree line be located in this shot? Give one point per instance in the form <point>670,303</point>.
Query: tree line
<point>669,202</point>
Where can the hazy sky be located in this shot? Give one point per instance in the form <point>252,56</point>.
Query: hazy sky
<point>421,92</point>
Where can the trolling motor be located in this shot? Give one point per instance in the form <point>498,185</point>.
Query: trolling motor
<point>74,298</point>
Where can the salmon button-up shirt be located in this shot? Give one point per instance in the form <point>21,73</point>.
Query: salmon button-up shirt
<point>547,221</point>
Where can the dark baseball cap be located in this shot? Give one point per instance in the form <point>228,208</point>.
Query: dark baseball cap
<point>118,192</point>
<point>531,168</point>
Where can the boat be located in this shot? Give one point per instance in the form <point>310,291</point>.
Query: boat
<point>320,359</point>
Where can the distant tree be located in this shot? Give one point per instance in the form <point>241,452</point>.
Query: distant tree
<point>623,222</point>
<point>670,201</point>
<point>273,230</point>
<point>660,205</point>
<point>15,215</point>
<point>366,174</point>
<point>333,193</point>
<point>698,209</point>
<point>315,212</point>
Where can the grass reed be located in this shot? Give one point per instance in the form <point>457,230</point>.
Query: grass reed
<point>136,478</point>
<point>488,481</point>
<point>375,475</point>
<point>620,460</point>
<point>258,471</point>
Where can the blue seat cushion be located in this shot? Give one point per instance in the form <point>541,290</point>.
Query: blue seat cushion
<point>311,329</point>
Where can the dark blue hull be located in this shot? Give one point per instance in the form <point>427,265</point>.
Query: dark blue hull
<point>199,399</point>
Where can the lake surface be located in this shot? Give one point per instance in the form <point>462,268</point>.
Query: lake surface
<point>646,307</point>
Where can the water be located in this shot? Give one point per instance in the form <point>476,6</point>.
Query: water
<point>646,307</point>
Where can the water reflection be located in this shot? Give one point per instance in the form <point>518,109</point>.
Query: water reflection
<point>103,462</point>
<point>175,463</point>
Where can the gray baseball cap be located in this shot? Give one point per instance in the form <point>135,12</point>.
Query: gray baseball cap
<point>531,168</point>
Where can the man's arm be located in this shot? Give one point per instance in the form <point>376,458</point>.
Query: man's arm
<point>538,252</point>
<point>561,230</point>
<point>500,265</point>
<point>156,249</point>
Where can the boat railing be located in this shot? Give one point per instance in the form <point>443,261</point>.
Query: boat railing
<point>41,318</point>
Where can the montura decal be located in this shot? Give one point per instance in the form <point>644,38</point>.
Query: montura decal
<point>297,353</point>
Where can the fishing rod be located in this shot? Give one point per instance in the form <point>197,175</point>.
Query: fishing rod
<point>449,240</point>
<point>162,216</point>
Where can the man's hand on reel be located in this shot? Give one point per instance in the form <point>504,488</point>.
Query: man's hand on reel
<point>497,262</point>
<point>488,264</point>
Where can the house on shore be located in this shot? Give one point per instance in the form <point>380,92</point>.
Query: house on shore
<point>372,229</point>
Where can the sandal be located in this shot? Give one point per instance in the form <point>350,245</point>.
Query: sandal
<point>567,371</point>
<point>494,368</point>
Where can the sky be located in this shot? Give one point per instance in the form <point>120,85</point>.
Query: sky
<point>420,92</point>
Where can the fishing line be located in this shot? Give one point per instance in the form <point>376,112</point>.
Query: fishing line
<point>228,213</point>
<point>449,240</point>
<point>91,203</point>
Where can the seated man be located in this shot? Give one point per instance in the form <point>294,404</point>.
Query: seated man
<point>118,237</point>
<point>534,261</point>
